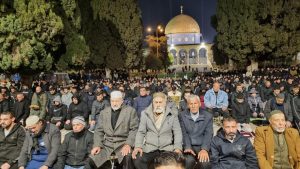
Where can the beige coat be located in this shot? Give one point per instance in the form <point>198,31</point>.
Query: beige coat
<point>112,140</point>
<point>264,146</point>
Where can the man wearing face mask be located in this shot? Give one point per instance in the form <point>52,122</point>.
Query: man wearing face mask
<point>277,147</point>
<point>41,145</point>
<point>114,135</point>
<point>278,103</point>
<point>232,150</point>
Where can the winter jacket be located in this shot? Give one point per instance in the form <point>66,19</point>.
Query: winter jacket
<point>255,104</point>
<point>41,100</point>
<point>52,138</point>
<point>79,109</point>
<point>141,103</point>
<point>196,133</point>
<point>57,111</point>
<point>296,108</point>
<point>266,93</point>
<point>167,138</point>
<point>75,150</point>
<point>10,146</point>
<point>210,99</point>
<point>287,110</point>
<point>265,146</point>
<point>21,109</point>
<point>241,112</point>
<point>4,106</point>
<point>237,155</point>
<point>97,107</point>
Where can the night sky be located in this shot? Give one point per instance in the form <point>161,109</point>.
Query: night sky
<point>156,12</point>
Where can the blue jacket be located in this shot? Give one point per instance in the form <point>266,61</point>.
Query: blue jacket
<point>196,133</point>
<point>141,103</point>
<point>211,101</point>
<point>237,155</point>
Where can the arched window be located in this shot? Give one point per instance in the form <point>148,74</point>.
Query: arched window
<point>182,57</point>
<point>193,59</point>
<point>202,56</point>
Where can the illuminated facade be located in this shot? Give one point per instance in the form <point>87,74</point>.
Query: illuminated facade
<point>186,46</point>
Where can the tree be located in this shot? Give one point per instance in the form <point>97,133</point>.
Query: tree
<point>257,29</point>
<point>159,44</point>
<point>125,20</point>
<point>29,36</point>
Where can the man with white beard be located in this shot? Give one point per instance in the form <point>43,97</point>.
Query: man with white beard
<point>114,135</point>
<point>277,146</point>
<point>159,131</point>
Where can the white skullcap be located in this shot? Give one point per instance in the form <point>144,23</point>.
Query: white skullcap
<point>116,94</point>
<point>32,120</point>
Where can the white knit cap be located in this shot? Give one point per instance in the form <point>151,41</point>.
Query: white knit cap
<point>116,94</point>
<point>79,119</point>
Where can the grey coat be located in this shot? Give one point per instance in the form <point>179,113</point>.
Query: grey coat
<point>168,137</point>
<point>52,139</point>
<point>112,140</point>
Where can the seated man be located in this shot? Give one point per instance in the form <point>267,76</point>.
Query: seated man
<point>278,103</point>
<point>169,160</point>
<point>76,108</point>
<point>141,102</point>
<point>98,105</point>
<point>216,101</point>
<point>277,146</point>
<point>41,144</point>
<point>197,131</point>
<point>255,103</point>
<point>183,106</point>
<point>159,130</point>
<point>241,112</point>
<point>232,150</point>
<point>57,113</point>
<point>77,145</point>
<point>12,136</point>
<point>21,108</point>
<point>114,134</point>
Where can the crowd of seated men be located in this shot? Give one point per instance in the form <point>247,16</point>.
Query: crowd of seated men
<point>150,124</point>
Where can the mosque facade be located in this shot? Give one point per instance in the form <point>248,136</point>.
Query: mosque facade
<point>186,45</point>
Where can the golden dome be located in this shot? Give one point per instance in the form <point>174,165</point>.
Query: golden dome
<point>182,24</point>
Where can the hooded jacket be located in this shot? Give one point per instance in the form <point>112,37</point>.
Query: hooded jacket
<point>57,111</point>
<point>79,109</point>
<point>238,155</point>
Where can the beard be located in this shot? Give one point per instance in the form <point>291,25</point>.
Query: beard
<point>6,126</point>
<point>279,130</point>
<point>115,107</point>
<point>158,110</point>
